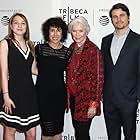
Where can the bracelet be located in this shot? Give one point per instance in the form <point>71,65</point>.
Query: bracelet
<point>5,92</point>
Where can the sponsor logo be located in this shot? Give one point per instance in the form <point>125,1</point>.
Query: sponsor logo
<point>36,42</point>
<point>137,116</point>
<point>5,15</point>
<point>5,20</point>
<point>104,20</point>
<point>104,17</point>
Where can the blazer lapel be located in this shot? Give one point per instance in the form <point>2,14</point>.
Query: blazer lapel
<point>108,48</point>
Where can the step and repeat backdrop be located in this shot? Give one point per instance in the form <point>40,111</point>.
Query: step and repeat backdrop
<point>96,12</point>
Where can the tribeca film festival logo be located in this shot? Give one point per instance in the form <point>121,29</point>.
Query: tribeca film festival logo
<point>4,20</point>
<point>68,137</point>
<point>104,19</point>
<point>69,14</point>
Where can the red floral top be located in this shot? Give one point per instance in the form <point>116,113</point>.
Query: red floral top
<point>85,79</point>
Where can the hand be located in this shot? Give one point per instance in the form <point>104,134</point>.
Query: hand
<point>8,104</point>
<point>91,112</point>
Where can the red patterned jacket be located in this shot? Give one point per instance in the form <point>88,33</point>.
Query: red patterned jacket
<point>85,79</point>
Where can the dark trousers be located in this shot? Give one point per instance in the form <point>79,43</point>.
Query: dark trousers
<point>81,127</point>
<point>120,116</point>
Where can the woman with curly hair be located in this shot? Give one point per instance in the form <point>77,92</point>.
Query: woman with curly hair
<point>52,57</point>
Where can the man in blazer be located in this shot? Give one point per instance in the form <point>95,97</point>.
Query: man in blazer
<point>121,52</point>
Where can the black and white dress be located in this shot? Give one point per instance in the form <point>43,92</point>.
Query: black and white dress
<point>51,87</point>
<point>21,91</point>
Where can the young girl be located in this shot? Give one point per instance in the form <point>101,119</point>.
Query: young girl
<point>18,105</point>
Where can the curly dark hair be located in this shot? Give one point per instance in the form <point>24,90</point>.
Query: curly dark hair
<point>119,6</point>
<point>54,22</point>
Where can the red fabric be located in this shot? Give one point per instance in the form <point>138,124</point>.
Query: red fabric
<point>72,73</point>
<point>85,79</point>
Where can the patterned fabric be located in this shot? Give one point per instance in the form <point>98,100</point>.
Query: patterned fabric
<point>85,79</point>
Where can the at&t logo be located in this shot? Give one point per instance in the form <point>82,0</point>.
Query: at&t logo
<point>5,20</point>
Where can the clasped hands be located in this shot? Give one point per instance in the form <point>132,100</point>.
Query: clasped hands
<point>91,112</point>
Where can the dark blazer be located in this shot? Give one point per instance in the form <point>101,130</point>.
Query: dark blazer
<point>122,80</point>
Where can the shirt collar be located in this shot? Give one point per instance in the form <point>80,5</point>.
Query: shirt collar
<point>125,33</point>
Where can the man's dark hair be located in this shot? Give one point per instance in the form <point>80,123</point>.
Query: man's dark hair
<point>119,6</point>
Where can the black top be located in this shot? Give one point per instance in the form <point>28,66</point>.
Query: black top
<point>50,82</point>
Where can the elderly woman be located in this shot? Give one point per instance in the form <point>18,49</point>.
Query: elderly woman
<point>84,78</point>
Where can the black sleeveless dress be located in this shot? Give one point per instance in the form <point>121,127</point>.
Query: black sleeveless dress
<point>21,91</point>
<point>52,95</point>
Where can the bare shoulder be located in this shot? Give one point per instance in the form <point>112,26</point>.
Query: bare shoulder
<point>3,44</point>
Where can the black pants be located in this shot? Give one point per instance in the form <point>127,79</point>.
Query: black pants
<point>120,116</point>
<point>81,127</point>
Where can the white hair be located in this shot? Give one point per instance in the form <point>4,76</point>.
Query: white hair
<point>81,20</point>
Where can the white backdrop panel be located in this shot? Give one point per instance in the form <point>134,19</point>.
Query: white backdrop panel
<point>94,10</point>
